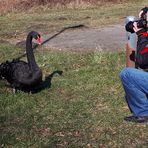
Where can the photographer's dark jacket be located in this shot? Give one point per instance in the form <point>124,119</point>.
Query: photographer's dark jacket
<point>141,58</point>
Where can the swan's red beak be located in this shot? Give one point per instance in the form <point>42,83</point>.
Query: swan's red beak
<point>39,40</point>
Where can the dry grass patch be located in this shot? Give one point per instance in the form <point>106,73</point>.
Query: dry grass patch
<point>15,5</point>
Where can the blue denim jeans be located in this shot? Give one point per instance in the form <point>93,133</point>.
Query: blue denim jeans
<point>135,84</point>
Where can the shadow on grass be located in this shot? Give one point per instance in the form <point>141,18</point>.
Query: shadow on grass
<point>46,83</point>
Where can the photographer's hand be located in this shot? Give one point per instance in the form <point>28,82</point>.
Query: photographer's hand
<point>135,28</point>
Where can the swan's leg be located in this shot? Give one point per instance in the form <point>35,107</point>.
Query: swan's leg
<point>14,90</point>
<point>30,92</point>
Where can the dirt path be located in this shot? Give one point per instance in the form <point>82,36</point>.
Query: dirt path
<point>110,38</point>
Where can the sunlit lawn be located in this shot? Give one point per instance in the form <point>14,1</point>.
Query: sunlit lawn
<point>83,108</point>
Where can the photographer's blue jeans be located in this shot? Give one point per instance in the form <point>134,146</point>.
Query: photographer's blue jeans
<point>135,83</point>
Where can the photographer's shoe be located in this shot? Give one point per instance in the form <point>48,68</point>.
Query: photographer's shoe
<point>141,119</point>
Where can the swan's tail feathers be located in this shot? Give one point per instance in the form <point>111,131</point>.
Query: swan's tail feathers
<point>0,72</point>
<point>4,69</point>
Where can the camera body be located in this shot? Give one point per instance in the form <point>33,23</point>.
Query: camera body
<point>141,23</point>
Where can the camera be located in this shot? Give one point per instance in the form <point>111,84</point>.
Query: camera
<point>141,23</point>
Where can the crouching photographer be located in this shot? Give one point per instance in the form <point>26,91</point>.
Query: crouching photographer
<point>135,79</point>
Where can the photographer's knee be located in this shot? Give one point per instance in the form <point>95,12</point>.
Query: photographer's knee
<point>124,74</point>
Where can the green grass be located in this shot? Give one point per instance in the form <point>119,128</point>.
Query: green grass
<point>83,108</point>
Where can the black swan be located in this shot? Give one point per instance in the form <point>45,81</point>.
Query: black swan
<point>22,75</point>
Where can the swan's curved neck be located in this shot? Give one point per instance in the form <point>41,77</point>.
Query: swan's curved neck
<point>30,54</point>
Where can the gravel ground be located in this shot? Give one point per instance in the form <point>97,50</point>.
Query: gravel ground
<point>109,38</point>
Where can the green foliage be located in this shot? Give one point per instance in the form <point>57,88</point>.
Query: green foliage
<point>83,108</point>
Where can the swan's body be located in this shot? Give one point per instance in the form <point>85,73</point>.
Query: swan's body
<point>23,75</point>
